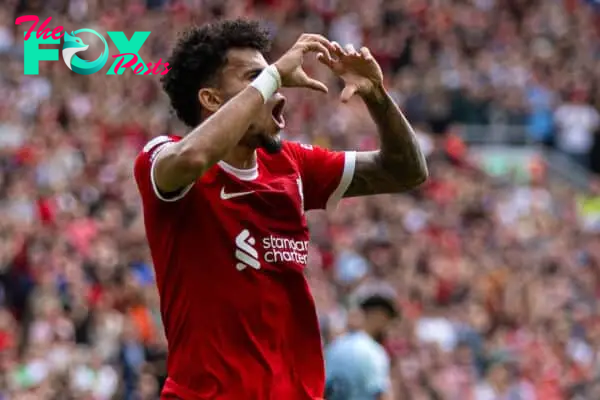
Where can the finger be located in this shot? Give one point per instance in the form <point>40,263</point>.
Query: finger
<point>338,51</point>
<point>313,37</point>
<point>317,48</point>
<point>350,49</point>
<point>324,60</point>
<point>303,80</point>
<point>315,85</point>
<point>348,92</point>
<point>365,53</point>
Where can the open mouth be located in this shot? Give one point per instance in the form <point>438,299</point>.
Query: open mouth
<point>277,113</point>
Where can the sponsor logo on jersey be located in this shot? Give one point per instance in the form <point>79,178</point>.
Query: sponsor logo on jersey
<point>245,252</point>
<point>277,249</point>
<point>280,249</point>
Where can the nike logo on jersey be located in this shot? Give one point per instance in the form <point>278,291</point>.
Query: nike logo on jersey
<point>227,196</point>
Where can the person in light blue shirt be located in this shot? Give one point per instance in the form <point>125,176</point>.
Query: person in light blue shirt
<point>357,367</point>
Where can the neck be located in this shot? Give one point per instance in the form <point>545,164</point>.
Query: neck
<point>241,157</point>
<point>499,386</point>
<point>372,332</point>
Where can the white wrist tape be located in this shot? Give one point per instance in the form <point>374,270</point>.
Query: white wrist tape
<point>267,82</point>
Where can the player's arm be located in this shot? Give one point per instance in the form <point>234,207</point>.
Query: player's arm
<point>399,165</point>
<point>180,164</point>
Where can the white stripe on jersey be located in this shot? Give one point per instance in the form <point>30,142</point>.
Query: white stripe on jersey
<point>155,142</point>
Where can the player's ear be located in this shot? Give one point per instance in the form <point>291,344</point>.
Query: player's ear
<point>210,99</point>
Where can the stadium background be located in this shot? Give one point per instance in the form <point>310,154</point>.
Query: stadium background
<point>495,261</point>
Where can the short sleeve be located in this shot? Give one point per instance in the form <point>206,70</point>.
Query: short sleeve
<point>325,175</point>
<point>377,374</point>
<point>144,170</point>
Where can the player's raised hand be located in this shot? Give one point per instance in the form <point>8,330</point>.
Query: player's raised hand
<point>290,64</point>
<point>358,69</point>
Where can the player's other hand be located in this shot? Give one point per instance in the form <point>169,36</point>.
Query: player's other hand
<point>290,64</point>
<point>358,69</point>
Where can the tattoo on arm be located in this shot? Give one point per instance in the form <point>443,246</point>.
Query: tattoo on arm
<point>369,176</point>
<point>399,165</point>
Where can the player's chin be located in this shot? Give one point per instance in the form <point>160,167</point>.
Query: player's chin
<point>270,139</point>
<point>271,143</point>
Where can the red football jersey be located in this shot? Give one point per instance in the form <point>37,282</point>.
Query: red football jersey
<point>229,254</point>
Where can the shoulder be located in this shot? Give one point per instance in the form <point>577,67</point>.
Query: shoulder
<point>341,345</point>
<point>293,144</point>
<point>371,350</point>
<point>295,150</point>
<point>368,356</point>
<point>301,149</point>
<point>297,146</point>
<point>293,153</point>
<point>307,151</point>
<point>380,353</point>
<point>144,164</point>
<point>151,147</point>
<point>309,155</point>
<point>148,153</point>
<point>358,342</point>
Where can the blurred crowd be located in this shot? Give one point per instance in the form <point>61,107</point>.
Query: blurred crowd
<point>497,280</point>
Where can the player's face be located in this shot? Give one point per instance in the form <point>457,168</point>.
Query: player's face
<point>379,321</point>
<point>243,65</point>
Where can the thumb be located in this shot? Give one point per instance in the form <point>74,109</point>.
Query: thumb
<point>348,92</point>
<point>315,85</point>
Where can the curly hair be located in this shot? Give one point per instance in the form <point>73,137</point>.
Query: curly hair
<point>200,53</point>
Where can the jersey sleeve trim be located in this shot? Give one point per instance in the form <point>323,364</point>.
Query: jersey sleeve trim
<point>180,194</point>
<point>156,142</point>
<point>347,175</point>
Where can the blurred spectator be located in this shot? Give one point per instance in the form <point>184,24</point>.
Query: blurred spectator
<point>577,122</point>
<point>357,366</point>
